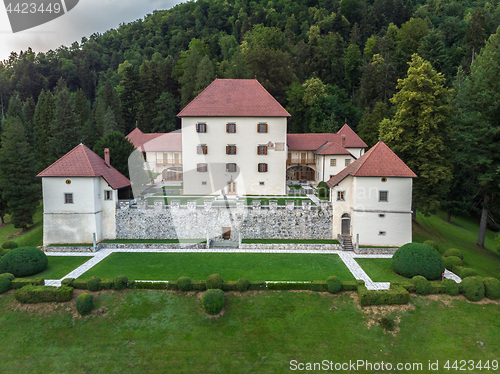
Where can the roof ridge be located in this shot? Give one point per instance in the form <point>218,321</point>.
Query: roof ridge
<point>87,157</point>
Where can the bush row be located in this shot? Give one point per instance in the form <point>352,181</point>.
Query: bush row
<point>394,295</point>
<point>39,294</point>
<point>96,284</point>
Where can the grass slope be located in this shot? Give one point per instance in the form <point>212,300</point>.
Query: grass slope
<point>164,332</point>
<point>460,233</point>
<point>33,237</point>
<point>231,266</point>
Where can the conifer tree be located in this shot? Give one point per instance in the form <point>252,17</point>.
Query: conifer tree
<point>17,174</point>
<point>120,149</point>
<point>419,131</point>
<point>44,116</point>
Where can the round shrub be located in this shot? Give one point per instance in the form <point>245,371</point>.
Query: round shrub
<point>451,287</point>
<point>473,288</point>
<point>243,284</point>
<point>5,282</point>
<point>3,252</point>
<point>422,285</point>
<point>67,282</point>
<point>452,261</point>
<point>184,284</point>
<point>94,284</point>
<point>121,282</point>
<point>213,301</point>
<point>467,272</point>
<point>334,284</point>
<point>433,244</point>
<point>492,288</point>
<point>323,189</point>
<point>84,303</point>
<point>214,281</point>
<point>418,259</point>
<point>9,245</point>
<point>454,252</point>
<point>23,262</point>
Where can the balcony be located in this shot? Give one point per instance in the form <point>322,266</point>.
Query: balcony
<point>301,161</point>
<point>169,161</point>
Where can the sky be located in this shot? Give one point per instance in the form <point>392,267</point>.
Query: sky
<point>87,17</point>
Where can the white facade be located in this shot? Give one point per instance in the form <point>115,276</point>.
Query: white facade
<point>329,165</point>
<point>161,162</point>
<point>92,210</point>
<point>246,179</point>
<point>377,222</point>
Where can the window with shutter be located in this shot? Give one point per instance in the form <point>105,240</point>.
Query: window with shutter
<point>262,150</point>
<point>231,128</point>
<point>262,168</point>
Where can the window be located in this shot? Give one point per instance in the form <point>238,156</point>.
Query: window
<point>204,183</point>
<point>262,168</point>
<point>108,195</point>
<point>201,127</point>
<point>381,215</point>
<point>340,195</point>
<point>333,162</point>
<point>289,155</point>
<point>347,161</point>
<point>383,196</point>
<point>231,168</point>
<point>202,149</point>
<point>381,233</point>
<point>332,175</point>
<point>68,198</point>
<point>262,150</point>
<point>279,147</point>
<point>231,128</point>
<point>231,149</point>
<point>201,168</point>
<point>262,127</point>
<point>261,183</point>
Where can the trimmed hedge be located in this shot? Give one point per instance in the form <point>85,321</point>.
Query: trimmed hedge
<point>3,252</point>
<point>334,284</point>
<point>120,282</point>
<point>257,286</point>
<point>350,285</point>
<point>473,288</point>
<point>432,243</point>
<point>198,285</point>
<point>243,284</point>
<point>151,285</point>
<point>38,294</point>
<point>94,283</point>
<point>5,280</point>
<point>213,301</point>
<point>492,288</point>
<point>214,281</point>
<point>408,285</point>
<point>452,288</point>
<point>422,286</point>
<point>454,252</point>
<point>9,245</point>
<point>418,259</point>
<point>319,286</point>
<point>23,262</point>
<point>184,284</point>
<point>464,272</point>
<point>21,282</point>
<point>289,286</point>
<point>84,303</point>
<point>437,288</point>
<point>394,295</point>
<point>451,262</point>
<point>229,286</point>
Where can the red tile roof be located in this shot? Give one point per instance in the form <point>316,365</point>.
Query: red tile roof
<point>311,142</point>
<point>138,138</point>
<point>331,148</point>
<point>82,162</point>
<point>234,98</point>
<point>169,142</point>
<point>379,161</point>
<point>352,139</point>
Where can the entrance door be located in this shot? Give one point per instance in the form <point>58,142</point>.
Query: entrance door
<point>346,224</point>
<point>226,233</point>
<point>303,158</point>
<point>231,188</point>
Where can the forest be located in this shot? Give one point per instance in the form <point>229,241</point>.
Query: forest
<point>423,76</point>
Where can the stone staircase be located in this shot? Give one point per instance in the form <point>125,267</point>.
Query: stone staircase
<point>347,243</point>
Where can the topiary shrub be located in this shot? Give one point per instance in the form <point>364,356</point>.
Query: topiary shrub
<point>3,252</point>
<point>213,301</point>
<point>323,189</point>
<point>433,244</point>
<point>67,282</point>
<point>334,284</point>
<point>454,252</point>
<point>418,259</point>
<point>121,282</point>
<point>452,261</point>
<point>5,280</point>
<point>214,281</point>
<point>184,284</point>
<point>422,286</point>
<point>23,262</point>
<point>467,272</point>
<point>94,283</point>
<point>243,284</point>
<point>84,303</point>
<point>9,245</point>
<point>452,288</point>
<point>492,288</point>
<point>473,288</point>
<point>39,294</point>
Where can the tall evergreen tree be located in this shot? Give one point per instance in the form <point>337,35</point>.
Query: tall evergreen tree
<point>419,131</point>
<point>120,150</point>
<point>165,120</point>
<point>28,113</point>
<point>18,174</point>
<point>129,98</point>
<point>44,116</point>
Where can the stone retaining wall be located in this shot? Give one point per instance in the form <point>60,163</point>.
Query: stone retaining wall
<point>69,248</point>
<point>375,251</point>
<point>316,247</point>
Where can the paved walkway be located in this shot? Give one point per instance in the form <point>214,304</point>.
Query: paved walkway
<point>347,257</point>
<point>314,198</point>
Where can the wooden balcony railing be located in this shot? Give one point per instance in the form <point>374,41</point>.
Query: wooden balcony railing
<point>303,161</point>
<point>169,161</point>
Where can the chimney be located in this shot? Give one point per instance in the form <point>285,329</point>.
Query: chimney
<point>343,141</point>
<point>106,156</point>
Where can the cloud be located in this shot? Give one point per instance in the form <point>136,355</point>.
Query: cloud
<point>88,17</point>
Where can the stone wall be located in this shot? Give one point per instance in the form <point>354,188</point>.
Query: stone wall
<point>197,222</point>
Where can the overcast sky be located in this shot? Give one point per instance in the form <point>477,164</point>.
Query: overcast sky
<point>87,17</point>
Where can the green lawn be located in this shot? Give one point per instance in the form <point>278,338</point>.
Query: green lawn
<point>460,233</point>
<point>231,266</point>
<point>200,200</point>
<point>59,266</point>
<point>379,269</point>
<point>290,241</point>
<point>259,333</point>
<point>33,237</point>
<point>295,187</point>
